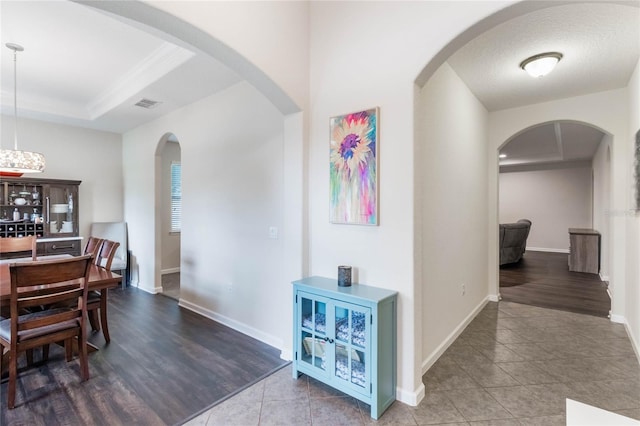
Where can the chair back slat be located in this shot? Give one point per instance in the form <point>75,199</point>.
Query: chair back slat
<point>93,246</point>
<point>48,320</point>
<point>106,253</point>
<point>16,245</point>
<point>48,271</point>
<point>50,298</point>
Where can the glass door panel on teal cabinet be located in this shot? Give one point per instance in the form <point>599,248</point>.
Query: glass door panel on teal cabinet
<point>352,331</point>
<point>313,331</point>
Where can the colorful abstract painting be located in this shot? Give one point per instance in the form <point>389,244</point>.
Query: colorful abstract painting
<point>354,168</point>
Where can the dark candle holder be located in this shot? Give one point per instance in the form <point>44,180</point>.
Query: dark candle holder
<point>344,276</point>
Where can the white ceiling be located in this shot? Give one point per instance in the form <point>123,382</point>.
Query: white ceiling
<point>552,143</point>
<point>601,45</point>
<point>85,68</point>
<point>82,67</point>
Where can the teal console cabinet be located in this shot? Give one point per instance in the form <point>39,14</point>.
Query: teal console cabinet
<point>345,337</point>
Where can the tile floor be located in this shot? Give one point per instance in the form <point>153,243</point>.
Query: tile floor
<point>513,365</point>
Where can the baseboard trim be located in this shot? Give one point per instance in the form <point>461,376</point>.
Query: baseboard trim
<point>634,343</point>
<point>153,290</point>
<point>493,297</point>
<point>169,271</point>
<point>433,357</point>
<point>236,325</point>
<point>411,398</point>
<point>548,250</point>
<point>618,319</point>
<point>286,354</point>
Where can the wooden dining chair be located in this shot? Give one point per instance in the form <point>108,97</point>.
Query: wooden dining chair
<point>16,245</point>
<point>56,282</point>
<point>97,300</point>
<point>93,246</point>
<point>13,245</point>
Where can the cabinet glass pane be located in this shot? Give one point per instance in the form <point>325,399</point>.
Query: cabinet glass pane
<point>61,204</point>
<point>351,326</point>
<point>350,365</point>
<point>313,340</point>
<point>350,339</point>
<point>312,350</point>
<point>314,315</point>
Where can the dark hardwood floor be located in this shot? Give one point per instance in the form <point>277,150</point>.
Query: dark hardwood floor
<point>543,279</point>
<point>164,364</point>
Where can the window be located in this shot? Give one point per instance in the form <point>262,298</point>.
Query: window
<point>176,196</point>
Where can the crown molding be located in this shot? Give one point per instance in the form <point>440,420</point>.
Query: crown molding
<point>160,62</point>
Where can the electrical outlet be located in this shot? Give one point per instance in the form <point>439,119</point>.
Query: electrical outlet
<point>230,287</point>
<point>464,289</point>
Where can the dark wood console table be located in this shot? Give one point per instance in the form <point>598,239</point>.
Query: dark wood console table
<point>584,250</point>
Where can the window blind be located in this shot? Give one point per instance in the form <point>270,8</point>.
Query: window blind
<point>176,196</point>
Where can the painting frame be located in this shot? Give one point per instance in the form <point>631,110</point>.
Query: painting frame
<point>354,164</point>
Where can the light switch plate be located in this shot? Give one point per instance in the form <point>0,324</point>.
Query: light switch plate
<point>273,232</point>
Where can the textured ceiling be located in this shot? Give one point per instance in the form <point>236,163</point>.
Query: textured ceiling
<point>600,43</point>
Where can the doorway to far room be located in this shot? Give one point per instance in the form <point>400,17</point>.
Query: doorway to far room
<point>171,216</point>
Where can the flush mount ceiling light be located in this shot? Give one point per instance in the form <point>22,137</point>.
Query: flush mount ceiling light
<point>502,156</point>
<point>14,162</point>
<point>542,64</point>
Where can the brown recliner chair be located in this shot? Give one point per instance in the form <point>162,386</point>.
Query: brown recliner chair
<point>513,240</point>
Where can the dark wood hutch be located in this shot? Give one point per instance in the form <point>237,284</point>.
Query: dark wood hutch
<point>46,208</point>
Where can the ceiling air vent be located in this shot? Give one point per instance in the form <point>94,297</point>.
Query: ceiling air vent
<point>147,103</point>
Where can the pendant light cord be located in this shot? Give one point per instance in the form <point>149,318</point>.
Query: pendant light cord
<point>15,100</point>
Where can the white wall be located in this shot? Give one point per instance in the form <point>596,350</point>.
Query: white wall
<point>607,111</point>
<point>452,175</point>
<point>91,156</point>
<point>272,35</point>
<point>601,189</point>
<point>365,55</point>
<point>632,292</point>
<point>554,200</point>
<point>358,59</point>
<point>232,180</point>
<point>170,241</point>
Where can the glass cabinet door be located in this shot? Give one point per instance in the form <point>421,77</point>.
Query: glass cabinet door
<point>313,329</point>
<point>61,216</point>
<point>352,335</point>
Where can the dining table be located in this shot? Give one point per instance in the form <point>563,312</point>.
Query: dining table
<point>99,279</point>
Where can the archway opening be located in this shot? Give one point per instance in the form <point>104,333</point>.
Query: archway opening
<point>556,175</point>
<point>168,214</point>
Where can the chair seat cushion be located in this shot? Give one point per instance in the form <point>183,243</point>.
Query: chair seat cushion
<point>5,325</point>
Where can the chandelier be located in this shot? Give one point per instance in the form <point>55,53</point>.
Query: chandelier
<point>14,162</point>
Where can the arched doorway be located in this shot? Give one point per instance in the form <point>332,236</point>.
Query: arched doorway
<point>168,172</point>
<point>556,175</point>
<point>448,180</point>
